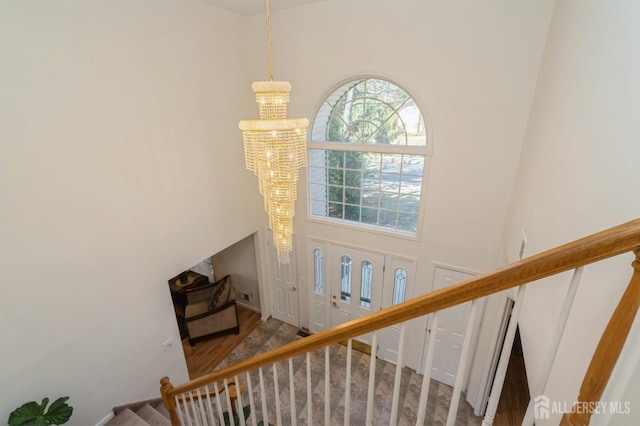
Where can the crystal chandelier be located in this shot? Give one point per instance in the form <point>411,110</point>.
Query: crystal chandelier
<point>274,150</point>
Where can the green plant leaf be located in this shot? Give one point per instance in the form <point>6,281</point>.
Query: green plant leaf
<point>59,412</point>
<point>34,414</point>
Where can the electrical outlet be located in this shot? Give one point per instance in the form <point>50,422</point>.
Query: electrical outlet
<point>167,344</point>
<point>253,295</point>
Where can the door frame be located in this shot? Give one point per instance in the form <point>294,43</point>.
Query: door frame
<point>476,327</point>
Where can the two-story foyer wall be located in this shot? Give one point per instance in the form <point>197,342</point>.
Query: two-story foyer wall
<point>471,65</point>
<point>120,165</point>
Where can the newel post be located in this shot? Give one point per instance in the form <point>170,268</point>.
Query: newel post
<point>169,401</point>
<point>607,351</point>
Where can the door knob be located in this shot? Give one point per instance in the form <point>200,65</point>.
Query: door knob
<point>294,288</point>
<point>334,296</point>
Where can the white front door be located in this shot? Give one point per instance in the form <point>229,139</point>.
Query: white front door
<point>451,329</point>
<point>284,284</point>
<point>355,283</point>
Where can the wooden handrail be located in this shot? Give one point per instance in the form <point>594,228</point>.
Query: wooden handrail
<point>602,245</point>
<point>607,352</point>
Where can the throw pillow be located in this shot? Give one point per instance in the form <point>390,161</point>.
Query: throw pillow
<point>215,294</point>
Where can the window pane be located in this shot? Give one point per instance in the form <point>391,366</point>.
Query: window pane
<point>352,196</point>
<point>319,208</point>
<point>365,285</point>
<point>336,177</point>
<point>335,159</point>
<point>317,175</point>
<point>335,210</point>
<point>370,198</point>
<point>353,160</point>
<point>399,286</point>
<point>345,275</point>
<point>335,193</point>
<point>409,204</point>
<point>352,213</point>
<point>317,157</point>
<point>388,219</point>
<point>352,178</point>
<point>408,222</point>
<point>370,216</point>
<point>318,271</point>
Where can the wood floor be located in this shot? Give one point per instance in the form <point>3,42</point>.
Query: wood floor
<point>515,391</point>
<point>205,356</point>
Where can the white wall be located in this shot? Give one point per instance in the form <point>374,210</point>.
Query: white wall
<point>471,65</point>
<point>578,174</point>
<point>239,261</point>
<point>117,121</point>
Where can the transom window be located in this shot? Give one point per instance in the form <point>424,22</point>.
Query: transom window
<point>367,157</point>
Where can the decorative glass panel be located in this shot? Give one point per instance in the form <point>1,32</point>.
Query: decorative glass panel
<point>365,285</point>
<point>318,271</point>
<point>345,274</point>
<point>399,286</point>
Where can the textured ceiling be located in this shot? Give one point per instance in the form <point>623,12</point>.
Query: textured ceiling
<point>255,7</point>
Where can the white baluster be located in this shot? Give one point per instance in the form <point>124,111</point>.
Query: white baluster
<point>239,402</point>
<point>428,365</point>
<point>372,379</point>
<point>219,404</point>
<point>501,371</point>
<point>209,404</point>
<point>327,388</point>
<point>396,384</point>
<point>201,405</point>
<point>347,386</point>
<point>179,410</point>
<point>265,414</point>
<point>228,399</point>
<point>309,391</point>
<point>292,395</point>
<point>462,365</point>
<point>191,415</point>
<point>277,394</point>
<point>552,351</point>
<point>251,402</point>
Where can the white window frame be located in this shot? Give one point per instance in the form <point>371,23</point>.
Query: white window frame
<point>426,151</point>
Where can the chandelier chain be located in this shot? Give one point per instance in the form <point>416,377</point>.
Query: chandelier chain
<point>269,39</point>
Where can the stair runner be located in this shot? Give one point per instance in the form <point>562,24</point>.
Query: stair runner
<point>145,413</point>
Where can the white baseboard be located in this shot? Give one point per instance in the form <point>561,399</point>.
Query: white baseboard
<point>105,419</point>
<point>251,308</point>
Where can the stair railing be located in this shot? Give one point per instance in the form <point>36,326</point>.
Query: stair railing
<point>201,401</point>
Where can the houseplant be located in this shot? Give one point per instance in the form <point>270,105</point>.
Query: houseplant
<point>32,413</point>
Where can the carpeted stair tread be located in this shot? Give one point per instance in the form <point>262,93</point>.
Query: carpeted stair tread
<point>152,416</point>
<point>159,407</point>
<point>127,417</point>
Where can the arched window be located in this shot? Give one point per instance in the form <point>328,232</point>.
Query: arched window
<point>367,157</point>
<point>318,271</point>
